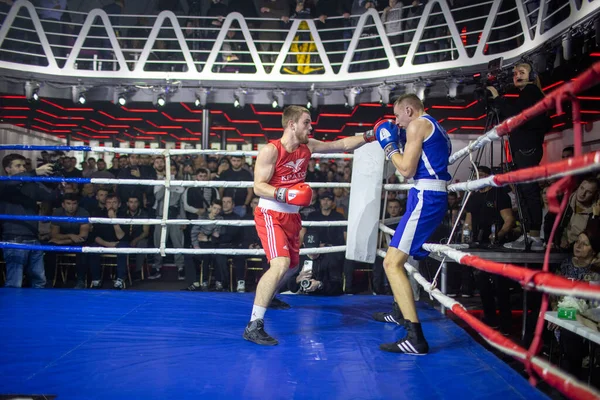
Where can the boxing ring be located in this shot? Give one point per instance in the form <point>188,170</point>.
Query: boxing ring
<point>130,344</point>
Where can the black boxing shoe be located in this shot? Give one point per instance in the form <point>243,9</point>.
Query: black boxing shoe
<point>413,343</point>
<point>255,333</point>
<point>277,304</point>
<point>394,317</point>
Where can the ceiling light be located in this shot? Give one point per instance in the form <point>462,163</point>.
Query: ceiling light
<point>122,100</point>
<point>351,94</point>
<point>77,94</point>
<point>278,101</point>
<point>239,98</point>
<point>31,91</point>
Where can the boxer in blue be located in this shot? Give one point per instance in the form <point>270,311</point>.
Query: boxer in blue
<point>419,148</point>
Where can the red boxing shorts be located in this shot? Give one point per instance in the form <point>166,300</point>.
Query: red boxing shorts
<point>279,234</point>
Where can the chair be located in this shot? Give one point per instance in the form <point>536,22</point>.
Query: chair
<point>63,262</point>
<point>254,264</point>
<point>110,261</point>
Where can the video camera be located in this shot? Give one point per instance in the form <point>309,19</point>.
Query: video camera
<point>495,77</point>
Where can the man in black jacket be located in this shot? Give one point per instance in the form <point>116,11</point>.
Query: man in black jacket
<point>20,198</point>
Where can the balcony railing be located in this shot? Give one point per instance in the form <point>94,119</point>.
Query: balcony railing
<point>428,40</point>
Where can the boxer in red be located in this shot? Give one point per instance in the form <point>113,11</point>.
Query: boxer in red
<point>279,181</point>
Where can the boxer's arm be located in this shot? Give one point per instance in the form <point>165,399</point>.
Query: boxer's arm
<point>407,163</point>
<point>337,146</point>
<point>263,171</point>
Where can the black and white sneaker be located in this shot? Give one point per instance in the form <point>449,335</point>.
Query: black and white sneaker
<point>255,332</point>
<point>394,317</point>
<point>155,274</point>
<point>277,304</point>
<point>180,274</point>
<point>413,343</point>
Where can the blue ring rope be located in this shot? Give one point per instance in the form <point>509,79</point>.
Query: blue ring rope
<point>44,218</point>
<point>44,179</point>
<point>42,148</point>
<point>41,247</point>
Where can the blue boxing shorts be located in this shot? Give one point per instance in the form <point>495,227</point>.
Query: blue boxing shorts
<point>425,209</point>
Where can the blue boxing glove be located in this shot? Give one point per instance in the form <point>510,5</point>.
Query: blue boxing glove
<point>386,133</point>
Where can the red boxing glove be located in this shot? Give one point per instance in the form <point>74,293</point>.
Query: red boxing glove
<point>369,136</point>
<point>299,195</point>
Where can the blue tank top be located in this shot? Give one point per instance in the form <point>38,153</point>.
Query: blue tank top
<point>437,147</point>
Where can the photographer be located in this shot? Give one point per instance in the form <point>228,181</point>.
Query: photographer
<point>526,143</point>
<point>321,274</point>
<point>20,198</point>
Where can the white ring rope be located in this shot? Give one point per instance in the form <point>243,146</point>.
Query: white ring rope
<point>230,251</point>
<point>174,152</point>
<point>480,142</point>
<point>215,184</point>
<point>218,222</point>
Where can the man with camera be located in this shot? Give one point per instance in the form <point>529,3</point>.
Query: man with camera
<point>21,198</point>
<point>526,144</point>
<point>321,274</point>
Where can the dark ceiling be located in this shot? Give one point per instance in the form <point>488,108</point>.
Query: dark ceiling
<point>180,122</point>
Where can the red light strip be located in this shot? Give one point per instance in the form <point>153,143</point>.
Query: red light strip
<point>557,115</point>
<point>224,128</point>
<point>59,117</point>
<point>188,130</point>
<point>100,131</point>
<point>15,117</point>
<point>455,107</point>
<point>553,85</point>
<point>473,128</point>
<point>466,118</point>
<point>557,125</point>
<point>235,140</point>
<point>594,54</point>
<point>144,110</point>
<point>588,98</point>
<point>66,108</point>
<point>590,112</point>
<point>164,126</point>
<point>15,108</point>
<point>12,97</point>
<point>108,126</point>
<point>57,125</point>
<point>150,132</point>
<point>252,135</point>
<point>452,130</point>
<point>139,137</point>
<point>50,130</point>
<point>193,111</point>
<point>181,119</point>
<point>265,112</point>
<point>119,119</point>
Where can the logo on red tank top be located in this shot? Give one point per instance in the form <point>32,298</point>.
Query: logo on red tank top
<point>295,167</point>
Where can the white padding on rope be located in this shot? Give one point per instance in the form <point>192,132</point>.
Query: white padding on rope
<point>477,144</point>
<point>231,252</point>
<point>470,186</point>
<point>365,201</point>
<point>398,186</point>
<point>444,250</point>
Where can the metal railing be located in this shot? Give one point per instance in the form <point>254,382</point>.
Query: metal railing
<point>432,38</point>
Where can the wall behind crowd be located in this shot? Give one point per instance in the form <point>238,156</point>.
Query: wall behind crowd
<point>10,134</point>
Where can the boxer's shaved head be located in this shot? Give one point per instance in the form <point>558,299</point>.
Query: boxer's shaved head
<point>411,100</point>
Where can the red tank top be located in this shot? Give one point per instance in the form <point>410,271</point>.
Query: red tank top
<point>290,167</point>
